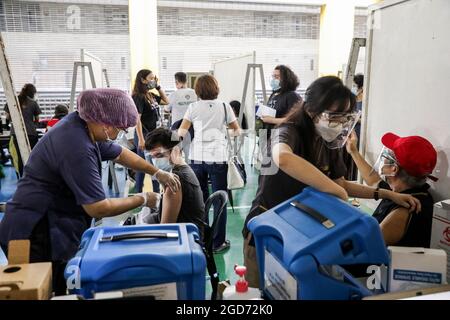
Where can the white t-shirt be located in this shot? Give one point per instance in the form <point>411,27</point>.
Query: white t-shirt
<point>210,140</point>
<point>179,101</point>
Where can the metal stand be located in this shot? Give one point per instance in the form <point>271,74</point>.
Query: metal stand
<point>81,65</point>
<point>251,67</point>
<point>357,43</point>
<point>14,107</point>
<point>112,177</point>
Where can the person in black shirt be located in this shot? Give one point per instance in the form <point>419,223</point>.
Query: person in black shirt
<point>283,99</point>
<point>30,113</point>
<point>236,106</point>
<point>186,205</point>
<point>284,82</point>
<point>307,151</point>
<point>147,104</point>
<point>403,166</point>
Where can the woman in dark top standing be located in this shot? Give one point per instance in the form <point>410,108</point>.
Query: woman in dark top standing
<point>147,105</point>
<point>307,151</point>
<point>186,205</point>
<point>404,166</point>
<point>30,113</point>
<point>284,82</point>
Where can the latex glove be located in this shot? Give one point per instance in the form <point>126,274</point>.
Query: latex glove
<point>168,180</point>
<point>151,199</point>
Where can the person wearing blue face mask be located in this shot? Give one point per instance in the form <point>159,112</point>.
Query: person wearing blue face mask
<point>147,103</point>
<point>186,205</point>
<point>283,82</point>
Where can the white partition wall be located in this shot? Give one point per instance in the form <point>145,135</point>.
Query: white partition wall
<point>97,68</point>
<point>230,73</point>
<point>408,78</point>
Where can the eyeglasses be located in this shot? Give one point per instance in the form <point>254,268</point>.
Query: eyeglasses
<point>337,118</point>
<point>161,154</point>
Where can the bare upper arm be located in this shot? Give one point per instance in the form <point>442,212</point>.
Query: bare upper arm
<point>184,127</point>
<point>394,226</point>
<point>279,150</point>
<point>171,205</point>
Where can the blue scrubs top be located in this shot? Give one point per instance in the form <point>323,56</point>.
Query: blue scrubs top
<point>62,173</point>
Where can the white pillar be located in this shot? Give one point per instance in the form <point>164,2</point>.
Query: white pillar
<point>143,20</point>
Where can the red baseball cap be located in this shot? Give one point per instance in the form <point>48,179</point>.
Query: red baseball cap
<point>415,154</point>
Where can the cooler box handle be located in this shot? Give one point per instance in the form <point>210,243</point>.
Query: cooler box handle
<point>327,223</point>
<point>140,235</point>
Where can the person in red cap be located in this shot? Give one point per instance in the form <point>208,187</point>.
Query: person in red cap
<point>404,165</point>
<point>62,190</point>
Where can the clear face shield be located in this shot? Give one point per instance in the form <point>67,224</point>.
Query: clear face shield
<point>336,127</point>
<point>385,160</point>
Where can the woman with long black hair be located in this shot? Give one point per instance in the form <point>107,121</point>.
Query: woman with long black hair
<point>307,151</point>
<point>147,104</point>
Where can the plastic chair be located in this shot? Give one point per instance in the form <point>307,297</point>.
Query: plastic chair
<point>219,199</point>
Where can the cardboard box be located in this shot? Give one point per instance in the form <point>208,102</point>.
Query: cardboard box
<point>415,268</point>
<point>22,280</point>
<point>31,281</point>
<point>440,232</point>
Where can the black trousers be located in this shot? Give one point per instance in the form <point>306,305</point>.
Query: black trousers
<point>41,251</point>
<point>33,141</point>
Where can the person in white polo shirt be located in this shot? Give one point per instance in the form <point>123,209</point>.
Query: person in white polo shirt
<point>208,154</point>
<point>180,99</point>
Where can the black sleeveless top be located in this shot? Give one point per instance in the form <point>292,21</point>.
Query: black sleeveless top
<point>418,232</point>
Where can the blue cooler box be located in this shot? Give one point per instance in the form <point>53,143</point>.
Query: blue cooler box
<point>302,243</point>
<point>164,261</point>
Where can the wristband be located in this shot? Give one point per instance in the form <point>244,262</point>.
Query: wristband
<point>376,194</point>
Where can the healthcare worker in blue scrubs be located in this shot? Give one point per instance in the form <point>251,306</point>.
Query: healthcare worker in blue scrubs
<point>61,189</point>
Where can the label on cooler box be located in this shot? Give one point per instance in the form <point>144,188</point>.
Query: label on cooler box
<point>417,276</point>
<point>277,280</point>
<point>165,291</point>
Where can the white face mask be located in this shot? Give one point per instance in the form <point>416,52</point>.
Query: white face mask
<point>328,134</point>
<point>108,139</point>
<point>119,135</point>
